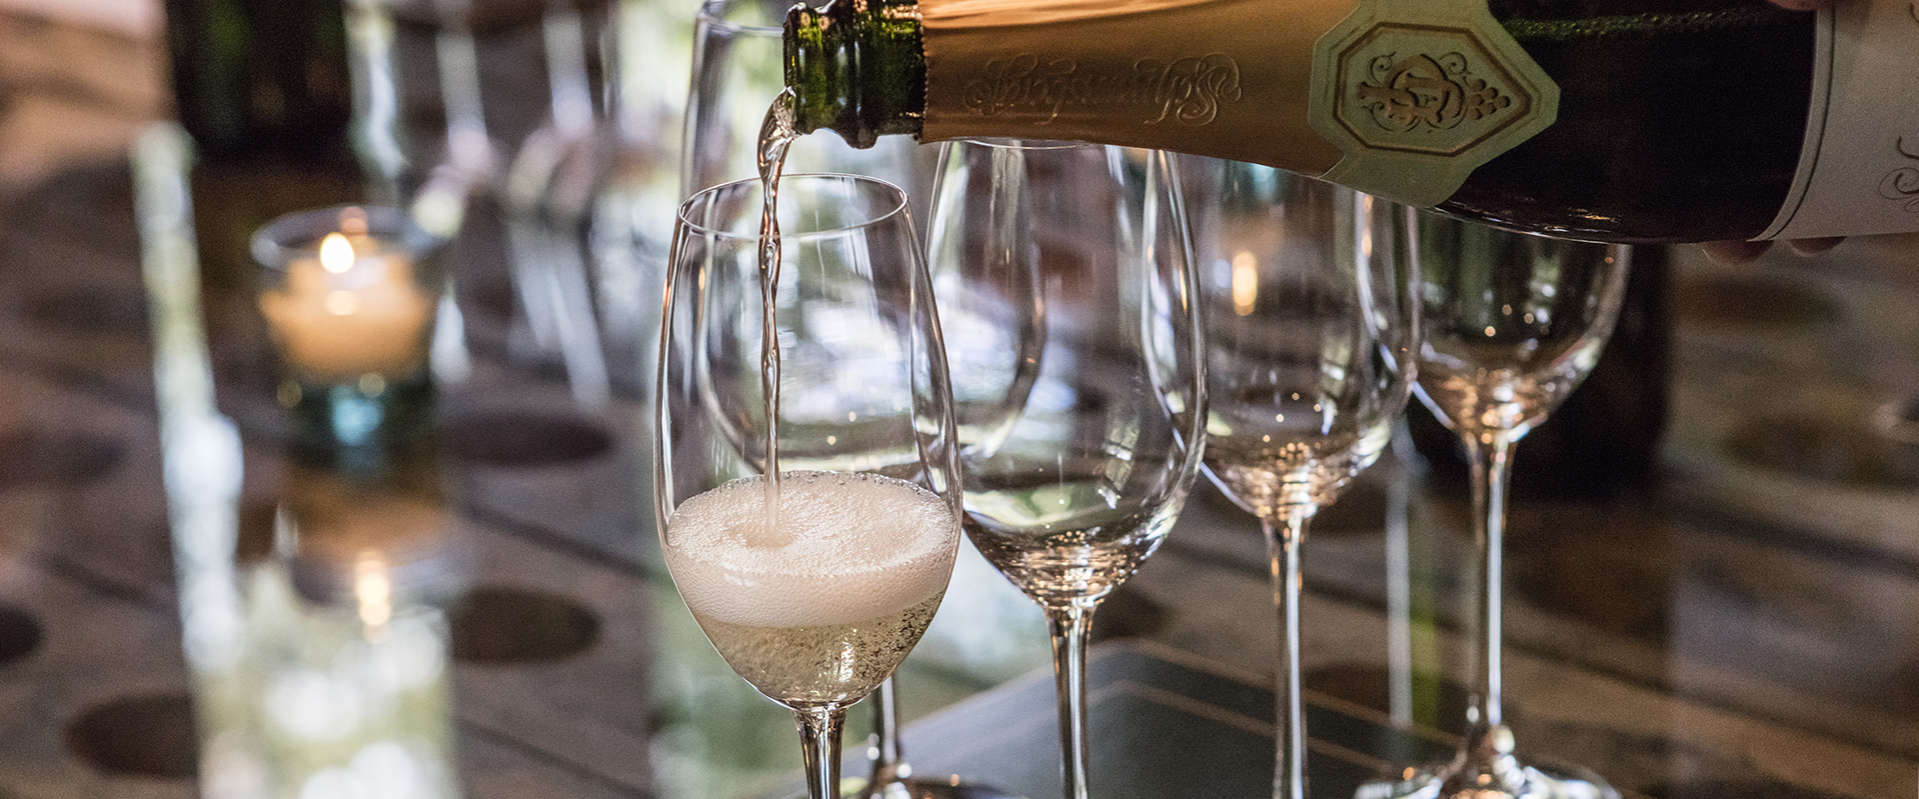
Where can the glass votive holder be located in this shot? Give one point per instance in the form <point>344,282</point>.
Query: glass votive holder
<point>350,295</point>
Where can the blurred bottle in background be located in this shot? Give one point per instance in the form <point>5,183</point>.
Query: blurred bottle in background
<point>263,88</point>
<point>260,74</point>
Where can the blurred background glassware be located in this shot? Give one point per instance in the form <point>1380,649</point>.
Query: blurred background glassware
<point>452,124</point>
<point>1513,323</point>
<point>1311,319</point>
<point>437,116</point>
<point>861,341</point>
<point>1066,265</point>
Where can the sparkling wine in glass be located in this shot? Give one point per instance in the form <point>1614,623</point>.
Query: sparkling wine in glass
<point>1513,322</point>
<point>736,69</point>
<point>1083,397</point>
<point>790,628</point>
<point>816,600</point>
<point>1311,331</point>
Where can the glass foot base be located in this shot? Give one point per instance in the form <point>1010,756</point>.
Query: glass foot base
<point>951,788</point>
<point>1514,781</point>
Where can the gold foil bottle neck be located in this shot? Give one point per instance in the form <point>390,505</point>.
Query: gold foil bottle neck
<point>1228,78</point>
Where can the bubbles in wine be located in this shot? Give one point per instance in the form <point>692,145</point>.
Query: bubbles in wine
<point>853,547</point>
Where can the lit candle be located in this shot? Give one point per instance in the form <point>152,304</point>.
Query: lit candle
<point>350,309</point>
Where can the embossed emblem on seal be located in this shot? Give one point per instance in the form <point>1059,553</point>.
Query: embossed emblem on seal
<point>1440,93</point>
<point>1424,89</point>
<point>1416,94</point>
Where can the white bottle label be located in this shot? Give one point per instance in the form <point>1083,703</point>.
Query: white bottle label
<point>1859,169</point>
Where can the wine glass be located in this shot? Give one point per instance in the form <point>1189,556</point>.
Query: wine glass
<point>1311,329</point>
<point>816,609</point>
<point>736,70</point>
<point>1082,391</point>
<point>1513,322</point>
<point>542,176</point>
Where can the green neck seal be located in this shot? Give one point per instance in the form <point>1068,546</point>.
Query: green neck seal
<point>855,67</point>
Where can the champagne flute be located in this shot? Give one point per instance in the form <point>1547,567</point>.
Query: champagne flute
<point>817,609</point>
<point>736,68</point>
<point>1083,389</point>
<point>1311,333</point>
<point>1513,322</point>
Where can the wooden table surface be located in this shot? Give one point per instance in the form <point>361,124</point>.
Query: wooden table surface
<point>1748,625</point>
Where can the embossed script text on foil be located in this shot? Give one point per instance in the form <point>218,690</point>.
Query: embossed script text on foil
<point>1189,91</point>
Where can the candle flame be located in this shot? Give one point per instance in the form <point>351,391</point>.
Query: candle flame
<point>336,253</point>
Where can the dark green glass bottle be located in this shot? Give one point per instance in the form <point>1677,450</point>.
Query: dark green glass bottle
<point>1677,120</point>
<point>257,74</point>
<point>856,68</point>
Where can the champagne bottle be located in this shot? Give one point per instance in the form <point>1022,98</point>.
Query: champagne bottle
<point>1618,120</point>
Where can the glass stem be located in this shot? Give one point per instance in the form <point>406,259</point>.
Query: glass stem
<point>889,764</point>
<point>1486,739</point>
<point>820,742</point>
<point>1289,758</point>
<point>1070,627</point>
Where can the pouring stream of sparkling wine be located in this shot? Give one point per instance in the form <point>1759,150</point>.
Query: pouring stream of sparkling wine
<point>776,135</point>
